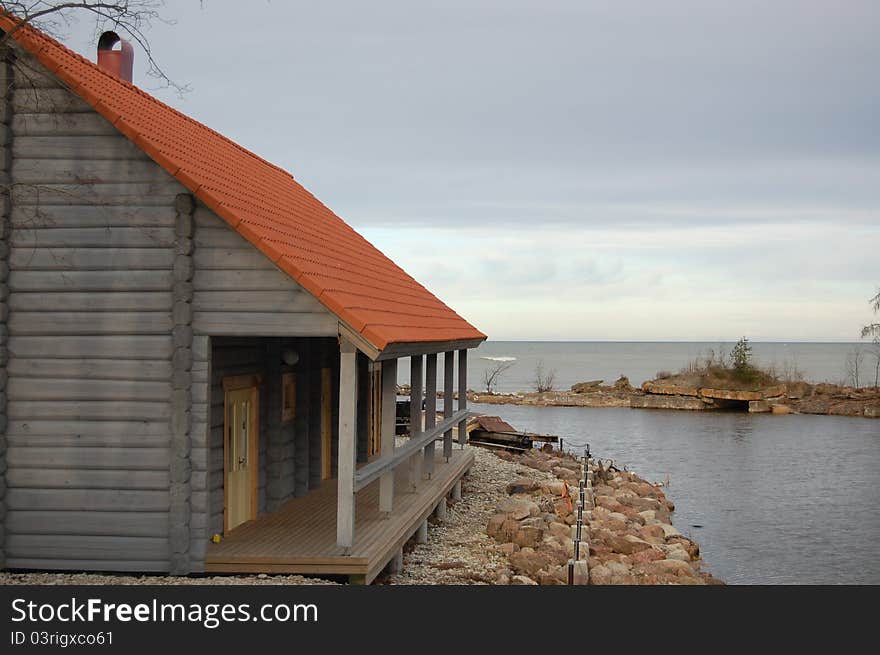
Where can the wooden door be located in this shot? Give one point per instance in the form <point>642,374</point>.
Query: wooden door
<point>240,450</point>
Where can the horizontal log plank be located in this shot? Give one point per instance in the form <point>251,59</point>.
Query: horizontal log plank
<point>93,147</point>
<point>90,281</point>
<point>109,500</point>
<point>120,193</point>
<point>86,370</point>
<point>45,257</point>
<point>86,547</point>
<point>81,171</point>
<point>88,410</point>
<point>49,124</point>
<point>21,388</point>
<point>118,524</point>
<point>97,237</point>
<point>288,301</point>
<point>34,478</point>
<point>247,258</point>
<point>265,324</point>
<point>97,433</point>
<point>121,301</point>
<point>33,216</point>
<point>97,323</point>
<point>47,101</point>
<point>68,564</point>
<point>243,280</point>
<point>106,347</point>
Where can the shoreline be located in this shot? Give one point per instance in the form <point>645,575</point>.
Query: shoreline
<point>779,399</point>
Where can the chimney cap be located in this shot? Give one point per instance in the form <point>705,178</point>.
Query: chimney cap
<point>118,62</point>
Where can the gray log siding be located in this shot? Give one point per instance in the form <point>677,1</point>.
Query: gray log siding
<point>5,228</point>
<point>180,470</point>
<point>96,373</point>
<point>240,292</point>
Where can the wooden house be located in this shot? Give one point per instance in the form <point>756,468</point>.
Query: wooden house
<point>199,358</point>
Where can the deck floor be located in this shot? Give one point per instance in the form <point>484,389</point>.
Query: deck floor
<point>301,536</point>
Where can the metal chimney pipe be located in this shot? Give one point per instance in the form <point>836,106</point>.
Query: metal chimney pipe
<point>116,62</point>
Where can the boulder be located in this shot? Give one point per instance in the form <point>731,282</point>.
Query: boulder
<point>611,504</point>
<point>781,410</point>
<point>522,486</point>
<point>518,508</point>
<point>556,487</point>
<point>665,388</point>
<point>692,547</point>
<point>509,548</point>
<point>529,562</point>
<point>528,536</point>
<point>653,534</point>
<point>560,530</point>
<point>522,580</point>
<point>622,384</point>
<point>669,530</point>
<point>677,552</point>
<point>645,556</point>
<point>586,387</point>
<point>670,567</point>
<point>564,473</point>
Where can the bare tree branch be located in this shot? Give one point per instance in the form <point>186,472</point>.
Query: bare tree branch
<point>130,17</point>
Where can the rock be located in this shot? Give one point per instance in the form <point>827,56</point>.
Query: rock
<point>509,548</point>
<point>648,515</point>
<point>560,530</point>
<point>518,508</point>
<point>528,561</point>
<point>669,530</point>
<point>611,504</point>
<point>547,579</point>
<point>668,389</point>
<point>522,580</point>
<point>564,473</point>
<point>651,401</point>
<point>781,410</point>
<point>622,384</point>
<point>645,556</point>
<point>522,486</point>
<point>692,547</point>
<point>586,387</point>
<point>502,579</point>
<point>557,488</point>
<point>502,528</point>
<point>798,390</point>
<point>671,567</point>
<point>732,394</point>
<point>653,534</point>
<point>677,552</point>
<point>759,407</point>
<point>528,536</point>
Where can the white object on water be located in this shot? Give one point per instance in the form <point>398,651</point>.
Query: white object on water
<point>500,359</point>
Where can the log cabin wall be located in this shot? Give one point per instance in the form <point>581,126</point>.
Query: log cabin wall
<point>90,349</point>
<point>123,303</point>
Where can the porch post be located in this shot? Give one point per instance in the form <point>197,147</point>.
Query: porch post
<point>448,386</point>
<point>415,417</point>
<point>347,417</point>
<point>389,412</point>
<point>430,409</point>
<point>462,394</point>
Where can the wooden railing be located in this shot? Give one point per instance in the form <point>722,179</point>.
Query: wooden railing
<point>369,472</point>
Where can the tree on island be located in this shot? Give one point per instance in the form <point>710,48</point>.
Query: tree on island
<point>544,380</point>
<point>741,355</point>
<point>492,375</point>
<point>873,330</point>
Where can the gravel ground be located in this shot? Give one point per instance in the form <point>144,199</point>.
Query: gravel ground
<point>458,550</point>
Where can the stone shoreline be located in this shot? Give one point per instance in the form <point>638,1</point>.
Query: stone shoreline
<point>791,398</point>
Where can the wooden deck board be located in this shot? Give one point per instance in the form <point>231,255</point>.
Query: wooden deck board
<point>301,536</point>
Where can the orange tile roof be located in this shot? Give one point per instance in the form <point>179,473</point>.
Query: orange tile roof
<point>265,205</point>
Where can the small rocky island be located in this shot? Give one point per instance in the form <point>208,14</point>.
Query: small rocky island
<point>706,386</point>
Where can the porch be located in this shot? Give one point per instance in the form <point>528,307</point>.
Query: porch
<point>301,536</point>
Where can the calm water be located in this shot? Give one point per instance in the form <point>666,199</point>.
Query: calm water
<point>781,499</point>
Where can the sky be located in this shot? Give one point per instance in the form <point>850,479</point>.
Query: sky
<point>584,170</point>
